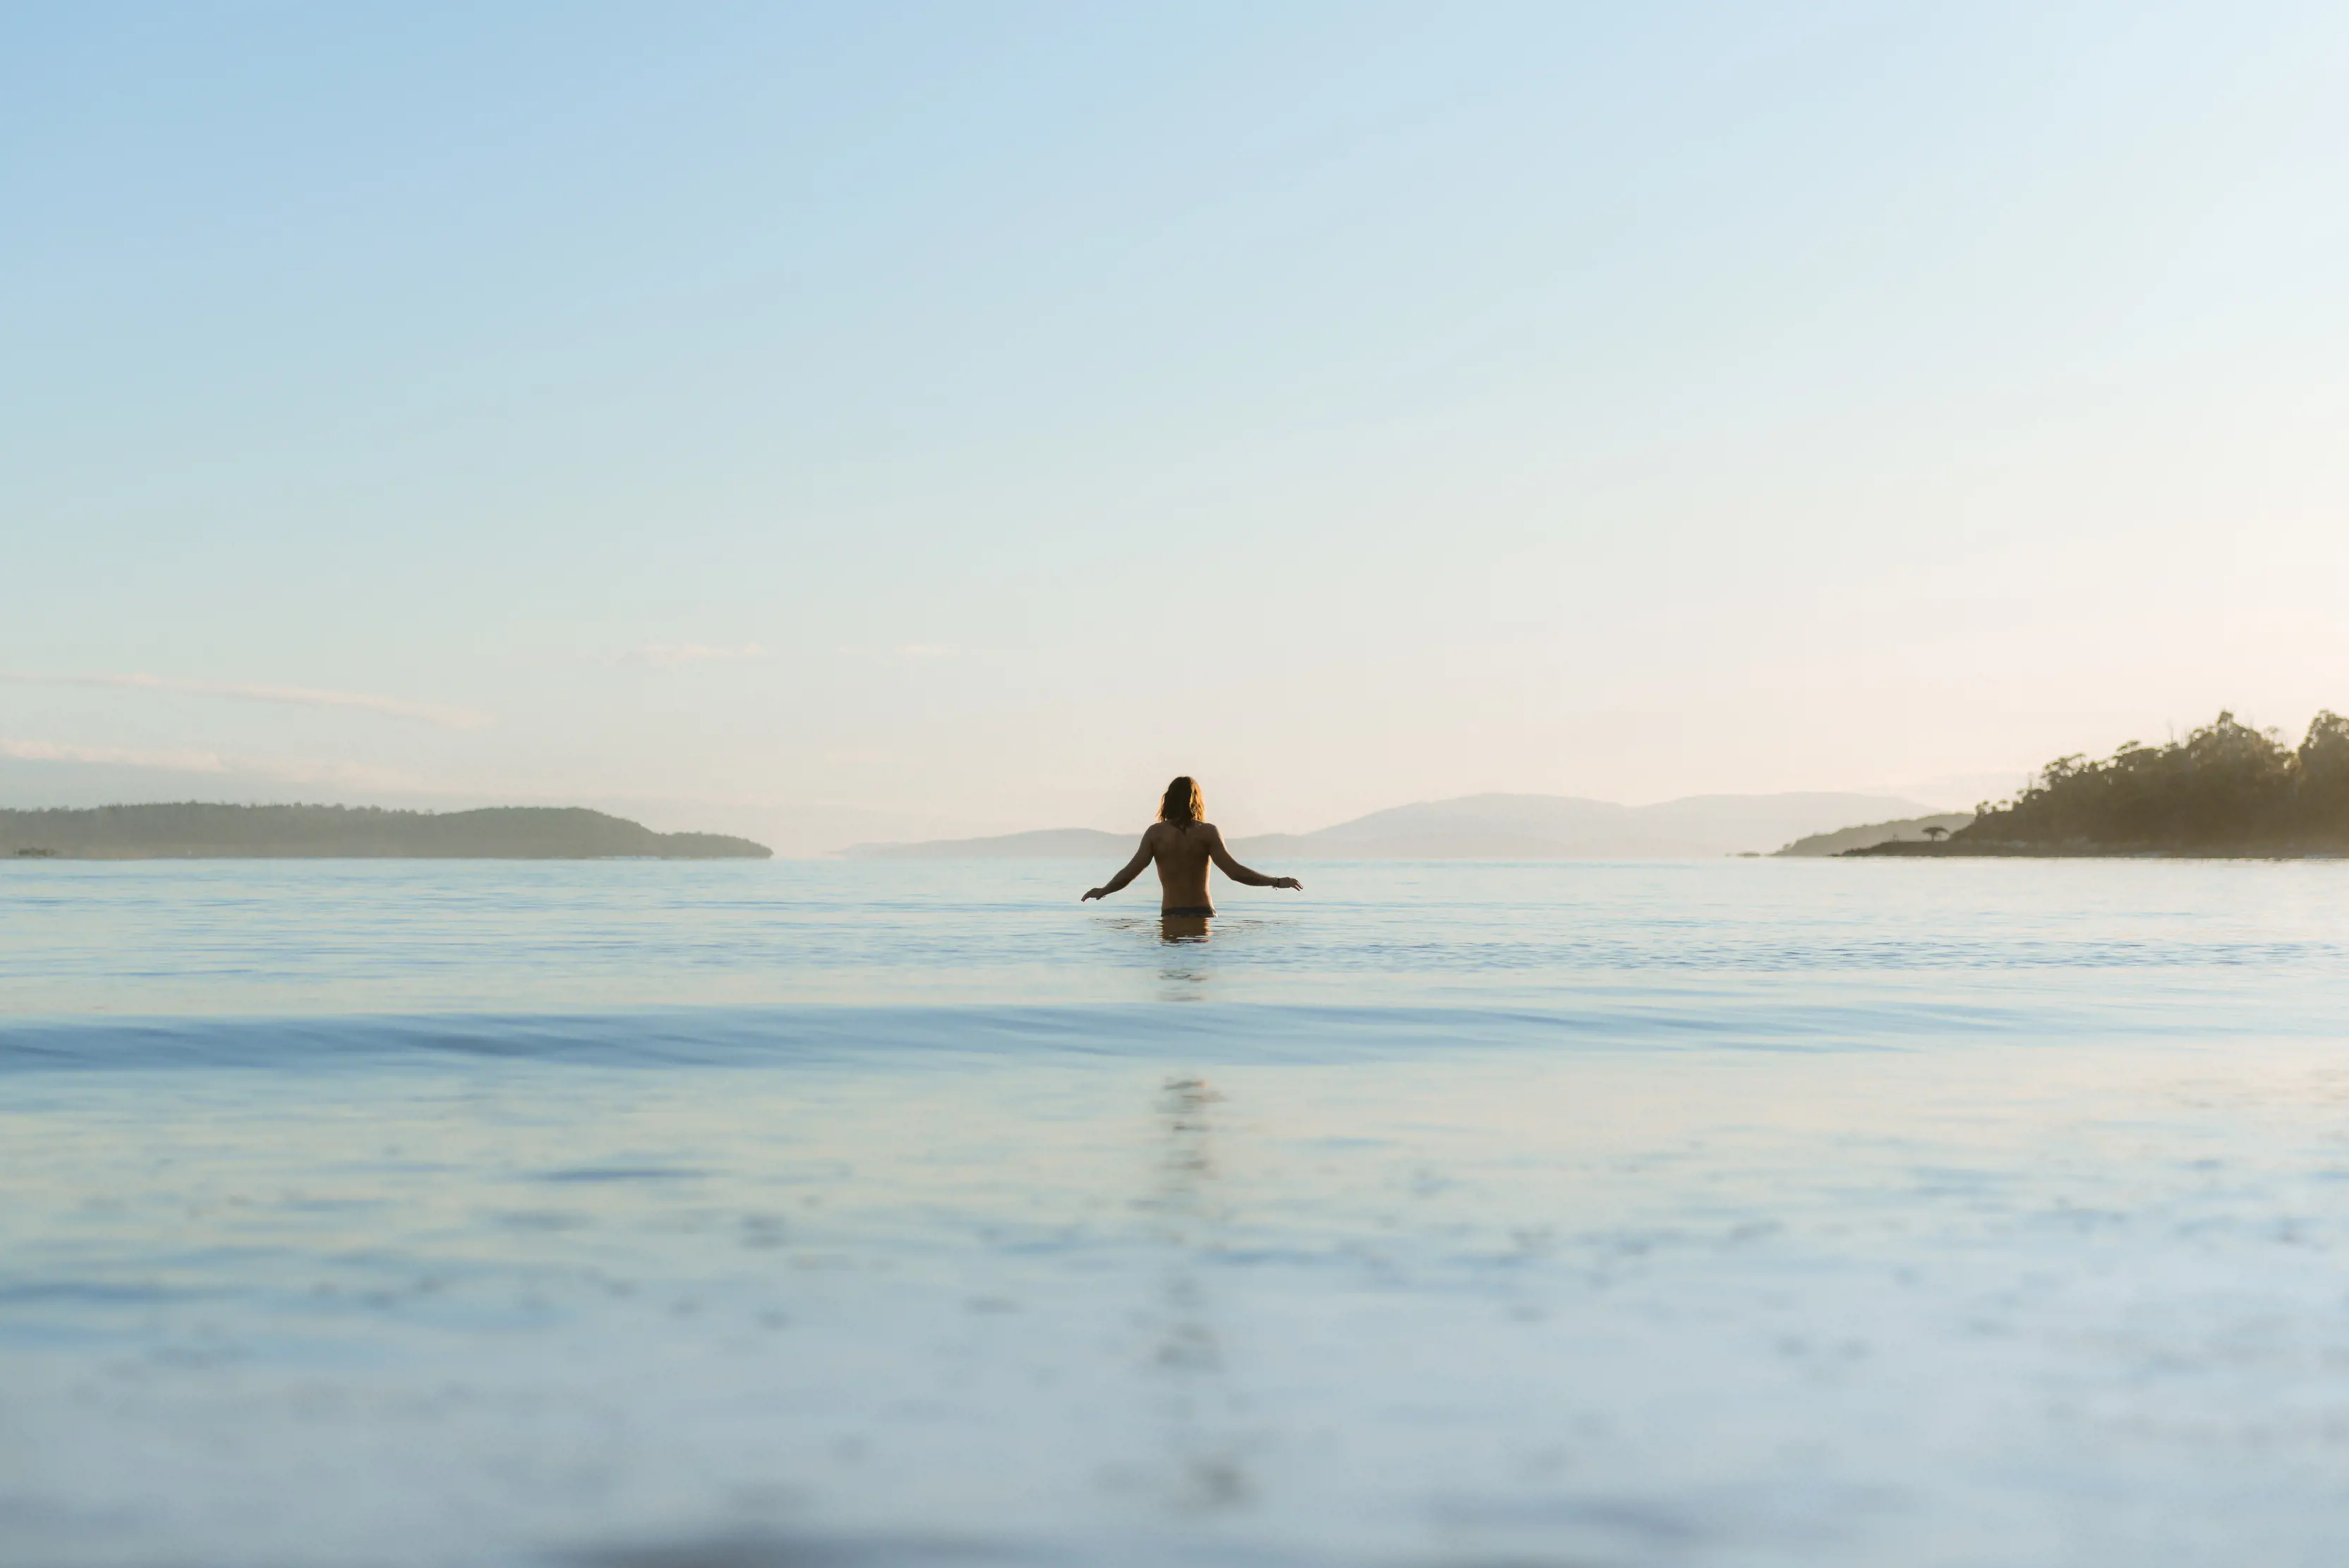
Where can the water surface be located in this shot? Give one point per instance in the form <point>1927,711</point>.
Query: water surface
<point>672,1214</point>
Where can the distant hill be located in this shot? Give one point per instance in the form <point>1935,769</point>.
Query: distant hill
<point>1044,843</point>
<point>1487,827</point>
<point>192,830</point>
<point>1908,830</point>
<point>1564,828</point>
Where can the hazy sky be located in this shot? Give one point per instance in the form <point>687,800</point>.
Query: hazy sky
<point>885,418</point>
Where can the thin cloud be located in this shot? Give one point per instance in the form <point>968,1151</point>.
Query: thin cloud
<point>902,653</point>
<point>668,654</point>
<point>445,718</point>
<point>64,752</point>
<point>279,770</point>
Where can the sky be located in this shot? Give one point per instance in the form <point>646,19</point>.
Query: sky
<point>883,421</point>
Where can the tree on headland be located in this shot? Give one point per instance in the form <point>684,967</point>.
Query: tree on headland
<point>2324,783</point>
<point>1937,834</point>
<point>2225,786</point>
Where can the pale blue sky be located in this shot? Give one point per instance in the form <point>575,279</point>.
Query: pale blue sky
<point>1349,404</point>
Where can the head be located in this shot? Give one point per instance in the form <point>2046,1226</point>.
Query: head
<point>1183,802</point>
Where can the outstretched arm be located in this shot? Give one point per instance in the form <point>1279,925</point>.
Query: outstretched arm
<point>1133,869</point>
<point>1239,873</point>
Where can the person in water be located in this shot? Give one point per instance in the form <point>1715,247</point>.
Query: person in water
<point>1183,846</point>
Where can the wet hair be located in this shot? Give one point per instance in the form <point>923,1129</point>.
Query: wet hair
<point>1183,802</point>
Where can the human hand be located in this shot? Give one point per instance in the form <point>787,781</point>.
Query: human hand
<point>1096,893</point>
<point>1291,883</point>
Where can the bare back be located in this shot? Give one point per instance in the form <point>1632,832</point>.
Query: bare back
<point>1182,851</point>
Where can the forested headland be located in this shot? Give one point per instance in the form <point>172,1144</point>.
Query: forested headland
<point>2227,789</point>
<point>194,830</point>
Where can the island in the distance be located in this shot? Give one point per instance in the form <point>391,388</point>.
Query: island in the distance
<point>2226,790</point>
<point>192,830</point>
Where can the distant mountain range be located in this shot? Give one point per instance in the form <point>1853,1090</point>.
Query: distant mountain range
<point>1042,844</point>
<point>193,830</point>
<point>1486,827</point>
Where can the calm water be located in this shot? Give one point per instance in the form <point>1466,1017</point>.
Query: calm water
<point>743,1216</point>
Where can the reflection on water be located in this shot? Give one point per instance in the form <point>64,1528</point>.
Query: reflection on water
<point>1183,980</point>
<point>1189,1352</point>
